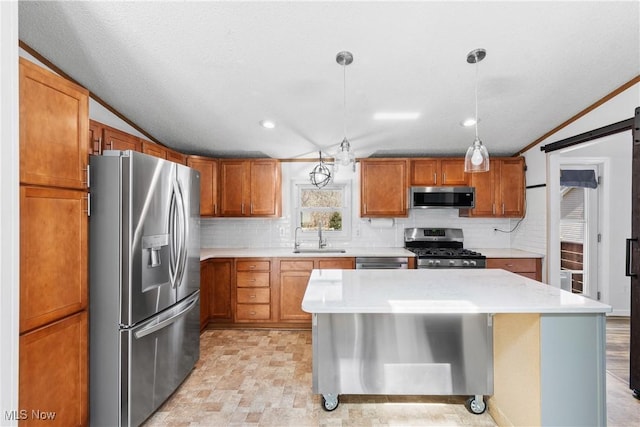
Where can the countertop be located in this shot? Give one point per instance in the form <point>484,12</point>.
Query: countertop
<point>438,291</point>
<point>506,253</point>
<point>207,253</point>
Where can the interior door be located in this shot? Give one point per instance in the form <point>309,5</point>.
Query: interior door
<point>633,262</point>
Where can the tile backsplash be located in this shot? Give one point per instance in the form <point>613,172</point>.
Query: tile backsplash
<point>279,232</point>
<point>265,233</point>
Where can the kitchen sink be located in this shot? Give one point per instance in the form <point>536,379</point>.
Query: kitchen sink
<point>319,251</point>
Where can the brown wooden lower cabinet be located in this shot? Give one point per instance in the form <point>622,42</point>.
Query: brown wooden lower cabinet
<point>527,267</point>
<point>294,276</point>
<point>263,292</point>
<point>53,373</point>
<point>216,282</point>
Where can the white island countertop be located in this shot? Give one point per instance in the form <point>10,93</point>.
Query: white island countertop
<point>438,291</point>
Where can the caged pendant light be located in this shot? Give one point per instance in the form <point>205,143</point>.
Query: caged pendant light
<point>345,156</point>
<point>320,175</point>
<point>477,157</point>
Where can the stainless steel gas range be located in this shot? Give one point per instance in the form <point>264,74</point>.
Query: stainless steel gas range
<point>441,248</point>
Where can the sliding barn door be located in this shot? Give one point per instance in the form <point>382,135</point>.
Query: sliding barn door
<point>633,261</point>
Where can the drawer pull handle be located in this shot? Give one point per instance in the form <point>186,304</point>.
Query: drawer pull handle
<point>253,313</point>
<point>252,296</point>
<point>509,265</point>
<point>251,267</point>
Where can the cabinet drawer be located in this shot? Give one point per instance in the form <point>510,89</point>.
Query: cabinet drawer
<point>253,296</point>
<point>245,279</point>
<point>515,265</point>
<point>343,263</point>
<point>306,265</point>
<point>253,312</point>
<point>253,266</point>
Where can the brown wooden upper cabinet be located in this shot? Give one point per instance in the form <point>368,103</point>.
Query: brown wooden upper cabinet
<point>250,188</point>
<point>429,172</point>
<point>501,191</point>
<point>176,157</point>
<point>383,188</point>
<point>115,139</point>
<point>154,149</point>
<point>208,169</point>
<point>53,129</point>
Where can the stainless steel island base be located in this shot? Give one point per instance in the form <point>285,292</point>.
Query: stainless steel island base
<point>406,354</point>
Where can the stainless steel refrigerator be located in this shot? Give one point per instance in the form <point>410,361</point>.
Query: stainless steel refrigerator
<point>144,301</point>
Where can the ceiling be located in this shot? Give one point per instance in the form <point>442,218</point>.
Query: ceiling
<point>200,76</point>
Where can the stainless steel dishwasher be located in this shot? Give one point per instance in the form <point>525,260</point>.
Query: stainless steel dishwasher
<point>386,263</point>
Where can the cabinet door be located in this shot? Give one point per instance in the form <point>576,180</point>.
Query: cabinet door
<point>265,188</point>
<point>208,169</point>
<point>452,172</point>
<point>118,140</point>
<point>53,372</point>
<point>54,126</point>
<point>293,285</point>
<point>53,254</point>
<point>383,188</point>
<point>233,187</point>
<point>424,172</point>
<point>96,131</point>
<point>206,288</point>
<point>485,192</point>
<point>512,188</point>
<point>176,157</point>
<point>152,149</point>
<point>220,295</point>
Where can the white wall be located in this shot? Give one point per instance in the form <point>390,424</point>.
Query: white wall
<point>263,233</point>
<point>9,211</point>
<point>533,234</point>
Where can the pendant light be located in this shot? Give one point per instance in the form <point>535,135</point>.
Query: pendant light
<point>345,156</point>
<point>320,175</point>
<point>477,157</point>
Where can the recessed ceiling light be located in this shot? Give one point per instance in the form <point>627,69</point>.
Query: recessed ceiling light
<point>396,116</point>
<point>468,122</point>
<point>267,124</point>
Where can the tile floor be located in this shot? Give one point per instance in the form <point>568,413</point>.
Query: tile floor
<point>263,378</point>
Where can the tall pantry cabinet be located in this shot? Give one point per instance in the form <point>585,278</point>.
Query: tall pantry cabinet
<point>54,127</point>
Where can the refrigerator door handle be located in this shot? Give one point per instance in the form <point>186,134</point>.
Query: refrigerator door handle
<point>628,262</point>
<point>178,231</point>
<point>154,327</point>
<point>181,235</point>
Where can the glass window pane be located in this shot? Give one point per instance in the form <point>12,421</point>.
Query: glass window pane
<point>330,220</point>
<point>313,198</point>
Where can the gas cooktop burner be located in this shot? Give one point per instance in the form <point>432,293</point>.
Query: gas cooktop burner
<point>445,253</point>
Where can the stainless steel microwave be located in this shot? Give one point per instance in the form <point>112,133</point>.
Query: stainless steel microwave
<point>442,197</point>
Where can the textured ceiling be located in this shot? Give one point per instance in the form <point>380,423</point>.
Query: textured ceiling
<point>199,76</point>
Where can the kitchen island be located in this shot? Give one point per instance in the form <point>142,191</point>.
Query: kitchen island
<point>537,351</point>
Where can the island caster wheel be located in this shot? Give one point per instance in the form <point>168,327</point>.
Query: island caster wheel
<point>329,402</point>
<point>476,404</point>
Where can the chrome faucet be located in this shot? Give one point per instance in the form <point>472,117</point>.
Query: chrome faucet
<point>321,243</point>
<point>296,244</point>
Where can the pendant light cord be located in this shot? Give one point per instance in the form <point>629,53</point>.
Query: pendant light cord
<point>476,55</point>
<point>344,99</point>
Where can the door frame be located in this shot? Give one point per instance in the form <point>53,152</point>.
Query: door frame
<point>556,162</point>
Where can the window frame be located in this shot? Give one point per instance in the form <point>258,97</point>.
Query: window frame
<point>312,235</point>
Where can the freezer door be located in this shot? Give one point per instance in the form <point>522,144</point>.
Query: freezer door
<point>148,189</point>
<point>157,356</point>
<point>188,271</point>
